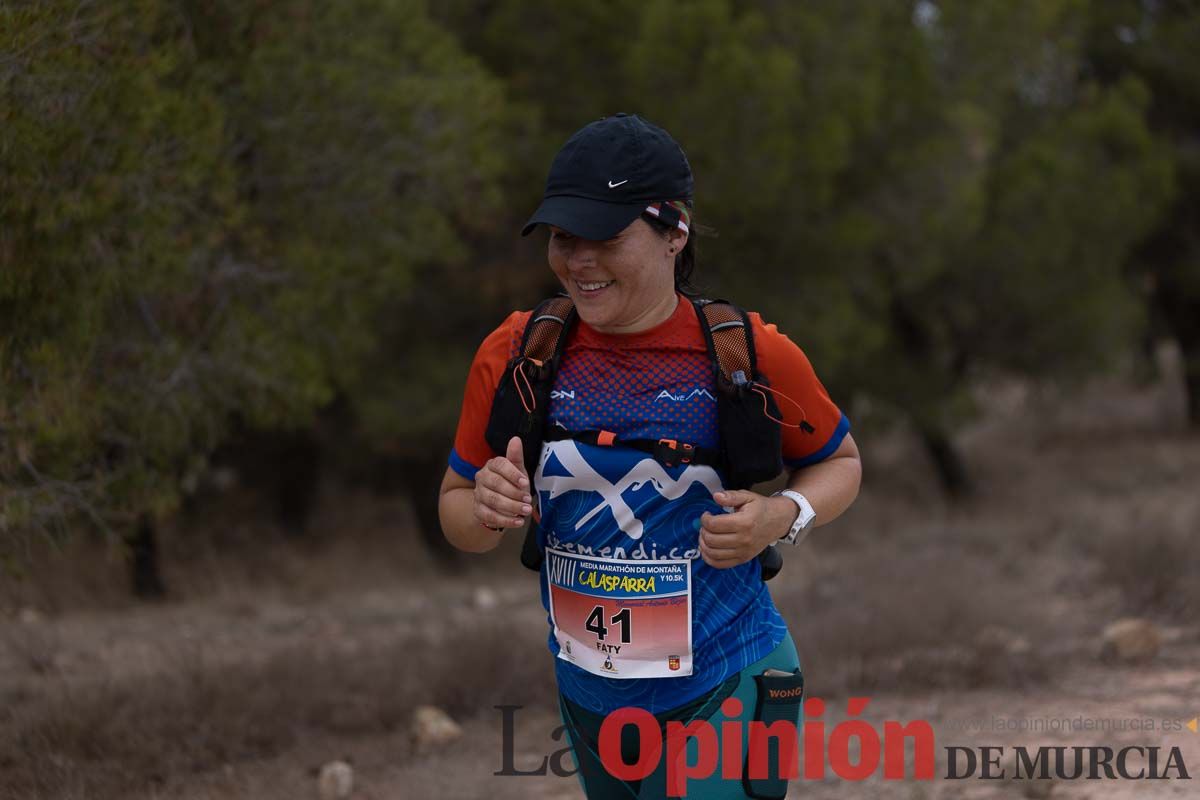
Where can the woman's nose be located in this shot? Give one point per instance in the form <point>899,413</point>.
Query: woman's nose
<point>582,256</point>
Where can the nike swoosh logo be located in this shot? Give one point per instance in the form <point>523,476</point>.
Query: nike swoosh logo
<point>612,185</point>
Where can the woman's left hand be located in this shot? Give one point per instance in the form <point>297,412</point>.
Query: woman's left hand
<point>727,540</point>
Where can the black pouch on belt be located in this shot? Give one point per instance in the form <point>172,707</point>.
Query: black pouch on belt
<point>773,754</point>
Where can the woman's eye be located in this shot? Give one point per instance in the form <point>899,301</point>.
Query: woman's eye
<point>561,236</point>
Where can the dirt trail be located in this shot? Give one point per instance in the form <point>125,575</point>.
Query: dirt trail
<point>102,648</point>
<point>1168,690</point>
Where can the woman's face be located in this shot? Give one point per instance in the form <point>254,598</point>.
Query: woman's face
<point>623,284</point>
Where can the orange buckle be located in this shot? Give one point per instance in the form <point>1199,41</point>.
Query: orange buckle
<point>672,453</point>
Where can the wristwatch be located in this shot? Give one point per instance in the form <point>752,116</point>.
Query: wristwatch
<point>804,520</point>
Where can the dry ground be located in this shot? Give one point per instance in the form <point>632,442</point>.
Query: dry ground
<point>273,657</point>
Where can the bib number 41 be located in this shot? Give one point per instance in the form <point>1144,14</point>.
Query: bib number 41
<point>623,618</point>
<point>592,602</point>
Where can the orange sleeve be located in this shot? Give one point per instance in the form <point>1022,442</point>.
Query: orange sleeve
<point>789,372</point>
<point>471,450</point>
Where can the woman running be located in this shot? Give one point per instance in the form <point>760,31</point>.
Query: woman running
<point>650,557</point>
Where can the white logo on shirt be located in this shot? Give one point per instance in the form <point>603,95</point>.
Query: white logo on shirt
<point>558,394</point>
<point>647,471</point>
<point>685,396</point>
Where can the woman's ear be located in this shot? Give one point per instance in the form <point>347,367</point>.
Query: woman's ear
<point>676,239</point>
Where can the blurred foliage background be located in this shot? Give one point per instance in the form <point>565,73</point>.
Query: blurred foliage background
<point>272,232</point>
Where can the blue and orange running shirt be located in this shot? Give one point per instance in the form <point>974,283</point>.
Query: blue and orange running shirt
<point>617,503</point>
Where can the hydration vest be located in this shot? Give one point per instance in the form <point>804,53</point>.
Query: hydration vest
<point>750,437</point>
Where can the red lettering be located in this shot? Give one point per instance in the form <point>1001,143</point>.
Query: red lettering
<point>839,744</point>
<point>731,740</point>
<point>784,731</point>
<point>678,770</point>
<point>734,750</point>
<point>893,749</point>
<point>649,746</point>
<point>814,740</point>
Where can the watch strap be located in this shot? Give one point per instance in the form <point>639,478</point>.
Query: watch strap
<point>804,517</point>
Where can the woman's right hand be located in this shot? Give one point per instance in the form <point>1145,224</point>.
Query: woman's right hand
<point>502,498</point>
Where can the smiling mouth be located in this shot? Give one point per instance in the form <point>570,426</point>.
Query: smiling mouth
<point>593,286</point>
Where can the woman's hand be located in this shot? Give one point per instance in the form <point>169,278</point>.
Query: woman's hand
<point>502,498</point>
<point>727,540</point>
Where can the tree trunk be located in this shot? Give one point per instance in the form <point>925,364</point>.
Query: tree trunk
<point>144,568</point>
<point>949,463</point>
<point>1176,299</point>
<point>423,479</point>
<point>909,329</point>
<point>1191,380</point>
<point>296,478</point>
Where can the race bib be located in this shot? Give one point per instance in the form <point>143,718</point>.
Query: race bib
<point>620,618</point>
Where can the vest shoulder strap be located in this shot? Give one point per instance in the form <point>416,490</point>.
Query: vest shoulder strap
<point>546,334</point>
<point>729,337</point>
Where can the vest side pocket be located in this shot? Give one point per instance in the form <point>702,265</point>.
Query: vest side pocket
<point>772,759</point>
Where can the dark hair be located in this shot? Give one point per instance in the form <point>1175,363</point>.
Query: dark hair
<point>685,260</point>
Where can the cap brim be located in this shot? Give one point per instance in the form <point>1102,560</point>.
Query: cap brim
<point>588,219</point>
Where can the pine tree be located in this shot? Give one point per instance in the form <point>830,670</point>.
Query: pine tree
<point>208,209</point>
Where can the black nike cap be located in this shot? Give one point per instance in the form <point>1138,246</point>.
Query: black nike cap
<point>606,175</point>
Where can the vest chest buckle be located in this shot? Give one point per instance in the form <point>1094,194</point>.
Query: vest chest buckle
<point>672,453</point>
